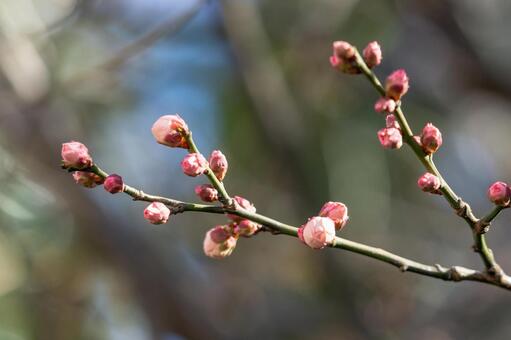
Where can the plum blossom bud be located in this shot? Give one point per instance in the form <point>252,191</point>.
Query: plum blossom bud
<point>397,84</point>
<point>243,203</point>
<point>194,164</point>
<point>343,50</point>
<point>206,192</point>
<point>218,164</point>
<point>170,130</point>
<point>218,243</point>
<point>429,183</point>
<point>157,213</point>
<point>391,121</point>
<point>431,138</point>
<point>343,57</point>
<point>337,212</point>
<point>246,228</point>
<point>113,184</point>
<point>390,138</point>
<point>372,54</point>
<point>87,179</point>
<point>385,105</point>
<point>318,232</point>
<point>499,193</point>
<point>75,155</point>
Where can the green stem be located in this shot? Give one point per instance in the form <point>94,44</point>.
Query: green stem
<point>224,198</point>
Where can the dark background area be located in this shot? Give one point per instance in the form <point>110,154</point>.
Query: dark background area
<point>251,78</point>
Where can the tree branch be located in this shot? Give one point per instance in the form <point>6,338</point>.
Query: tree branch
<point>454,273</point>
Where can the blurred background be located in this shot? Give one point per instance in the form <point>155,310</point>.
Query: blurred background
<point>251,78</point>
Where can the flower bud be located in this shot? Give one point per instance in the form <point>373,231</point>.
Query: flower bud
<point>429,183</point>
<point>343,50</point>
<point>242,203</point>
<point>390,138</point>
<point>431,138</point>
<point>318,232</point>
<point>206,192</point>
<point>385,105</point>
<point>218,243</point>
<point>246,228</point>
<point>397,84</point>
<point>391,121</point>
<point>343,57</point>
<point>372,54</point>
<point>114,184</point>
<point>157,213</point>
<point>337,212</point>
<point>499,193</point>
<point>170,130</point>
<point>87,179</point>
<point>218,164</point>
<point>194,164</point>
<point>75,155</point>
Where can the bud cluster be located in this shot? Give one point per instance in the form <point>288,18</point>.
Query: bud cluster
<point>319,231</point>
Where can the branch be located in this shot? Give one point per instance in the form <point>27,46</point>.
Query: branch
<point>462,208</point>
<point>454,273</point>
<point>168,27</point>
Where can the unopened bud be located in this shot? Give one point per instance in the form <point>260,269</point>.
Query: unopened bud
<point>218,164</point>
<point>75,155</point>
<point>243,203</point>
<point>170,130</point>
<point>397,84</point>
<point>390,138</point>
<point>372,54</point>
<point>246,228</point>
<point>391,121</point>
<point>113,184</point>
<point>206,192</point>
<point>218,243</point>
<point>337,212</point>
<point>499,193</point>
<point>87,179</point>
<point>385,105</point>
<point>429,183</point>
<point>157,213</point>
<point>431,138</point>
<point>318,232</point>
<point>194,164</point>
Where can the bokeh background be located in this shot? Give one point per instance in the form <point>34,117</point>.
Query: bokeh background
<point>251,78</point>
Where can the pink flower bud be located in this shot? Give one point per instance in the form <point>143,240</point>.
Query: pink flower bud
<point>372,54</point>
<point>246,228</point>
<point>337,212</point>
<point>390,138</point>
<point>218,164</point>
<point>170,130</point>
<point>157,213</point>
<point>114,184</point>
<point>343,57</point>
<point>75,155</point>
<point>391,121</point>
<point>206,192</point>
<point>431,138</point>
<point>319,232</point>
<point>87,179</point>
<point>343,50</point>
<point>429,183</point>
<point>385,105</point>
<point>242,203</point>
<point>194,164</point>
<point>397,84</point>
<point>218,244</point>
<point>499,193</point>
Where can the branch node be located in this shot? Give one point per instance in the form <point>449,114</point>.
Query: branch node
<point>403,267</point>
<point>454,274</point>
<point>481,227</point>
<point>462,210</point>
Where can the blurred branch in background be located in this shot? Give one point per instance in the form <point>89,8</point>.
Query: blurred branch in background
<point>166,29</point>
